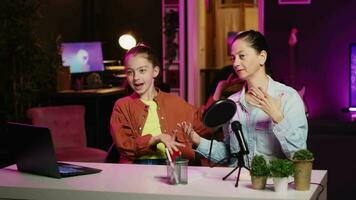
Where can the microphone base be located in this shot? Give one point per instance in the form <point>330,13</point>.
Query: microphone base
<point>240,164</point>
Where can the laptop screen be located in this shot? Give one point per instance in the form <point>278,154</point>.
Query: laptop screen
<point>35,153</point>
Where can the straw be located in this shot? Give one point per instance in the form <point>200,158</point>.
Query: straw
<point>172,166</point>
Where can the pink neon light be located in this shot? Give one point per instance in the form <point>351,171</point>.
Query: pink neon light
<point>352,109</point>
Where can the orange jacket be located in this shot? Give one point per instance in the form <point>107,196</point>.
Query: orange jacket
<point>129,116</point>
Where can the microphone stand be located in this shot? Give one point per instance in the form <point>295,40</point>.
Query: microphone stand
<point>222,109</point>
<point>240,164</point>
<point>227,158</point>
<point>211,147</point>
<point>234,155</point>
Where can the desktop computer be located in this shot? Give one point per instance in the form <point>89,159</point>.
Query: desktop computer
<point>87,69</point>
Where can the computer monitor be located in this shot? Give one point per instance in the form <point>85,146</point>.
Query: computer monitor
<point>82,57</point>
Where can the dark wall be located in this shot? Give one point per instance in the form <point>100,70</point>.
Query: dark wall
<point>60,18</point>
<point>326,28</point>
<point>143,18</point>
<point>89,20</point>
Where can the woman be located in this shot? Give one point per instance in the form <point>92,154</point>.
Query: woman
<point>271,114</point>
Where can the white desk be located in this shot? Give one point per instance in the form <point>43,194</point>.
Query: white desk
<point>128,181</point>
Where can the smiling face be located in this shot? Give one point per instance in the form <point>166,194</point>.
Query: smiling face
<point>246,60</point>
<point>141,74</point>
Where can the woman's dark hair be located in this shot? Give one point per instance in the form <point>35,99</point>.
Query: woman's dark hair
<point>258,42</point>
<point>142,48</point>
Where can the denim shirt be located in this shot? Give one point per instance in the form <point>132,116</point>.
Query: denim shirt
<point>262,135</point>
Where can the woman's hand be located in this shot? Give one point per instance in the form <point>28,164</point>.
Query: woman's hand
<point>189,131</point>
<point>222,85</point>
<point>271,106</point>
<point>168,140</point>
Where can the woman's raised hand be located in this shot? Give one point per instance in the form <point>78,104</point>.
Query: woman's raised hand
<point>270,105</point>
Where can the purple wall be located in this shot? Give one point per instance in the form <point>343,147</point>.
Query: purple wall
<point>326,27</point>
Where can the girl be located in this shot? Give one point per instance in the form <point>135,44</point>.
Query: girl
<point>145,123</point>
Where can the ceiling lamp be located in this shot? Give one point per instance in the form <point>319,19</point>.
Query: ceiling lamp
<point>127,41</point>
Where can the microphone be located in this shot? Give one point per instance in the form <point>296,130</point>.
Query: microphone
<point>236,127</point>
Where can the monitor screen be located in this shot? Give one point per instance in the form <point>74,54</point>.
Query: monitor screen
<point>353,75</point>
<point>82,56</point>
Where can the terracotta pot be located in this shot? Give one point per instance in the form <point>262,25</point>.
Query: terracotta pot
<point>302,174</point>
<point>259,182</point>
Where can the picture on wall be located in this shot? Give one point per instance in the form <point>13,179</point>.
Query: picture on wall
<point>353,75</point>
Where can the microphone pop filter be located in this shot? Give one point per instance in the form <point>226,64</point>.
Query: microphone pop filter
<point>219,113</point>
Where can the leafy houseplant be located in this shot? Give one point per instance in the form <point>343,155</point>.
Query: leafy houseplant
<point>27,70</point>
<point>303,154</point>
<point>259,172</point>
<point>303,164</point>
<point>281,169</point>
<point>171,24</point>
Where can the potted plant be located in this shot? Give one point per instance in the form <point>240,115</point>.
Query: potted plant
<point>280,170</point>
<point>303,164</point>
<point>28,65</point>
<point>259,172</point>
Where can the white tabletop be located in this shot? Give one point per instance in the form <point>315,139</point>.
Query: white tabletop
<point>128,181</point>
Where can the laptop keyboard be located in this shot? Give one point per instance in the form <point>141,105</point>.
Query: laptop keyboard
<point>68,170</point>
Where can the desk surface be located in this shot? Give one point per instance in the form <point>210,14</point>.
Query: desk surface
<point>128,181</point>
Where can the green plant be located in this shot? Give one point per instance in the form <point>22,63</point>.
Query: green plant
<point>171,20</point>
<point>27,69</point>
<point>259,166</point>
<point>303,165</point>
<point>281,167</point>
<point>303,154</point>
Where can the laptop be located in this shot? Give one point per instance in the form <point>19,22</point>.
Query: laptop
<point>35,154</point>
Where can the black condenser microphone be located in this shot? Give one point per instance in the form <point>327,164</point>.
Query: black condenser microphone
<point>236,127</point>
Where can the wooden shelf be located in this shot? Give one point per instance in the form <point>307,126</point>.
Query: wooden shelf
<point>119,68</point>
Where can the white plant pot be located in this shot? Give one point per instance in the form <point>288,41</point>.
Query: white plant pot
<point>280,184</point>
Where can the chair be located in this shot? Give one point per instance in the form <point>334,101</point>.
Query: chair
<point>67,125</point>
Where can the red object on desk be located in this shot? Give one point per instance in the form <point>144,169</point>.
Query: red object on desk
<point>175,155</point>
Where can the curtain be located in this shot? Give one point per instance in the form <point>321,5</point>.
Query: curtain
<point>227,20</point>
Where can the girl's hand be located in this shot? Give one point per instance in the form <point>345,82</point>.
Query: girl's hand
<point>222,85</point>
<point>271,106</point>
<point>189,131</point>
<point>168,140</point>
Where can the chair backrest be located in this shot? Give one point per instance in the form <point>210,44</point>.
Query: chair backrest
<point>67,124</point>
